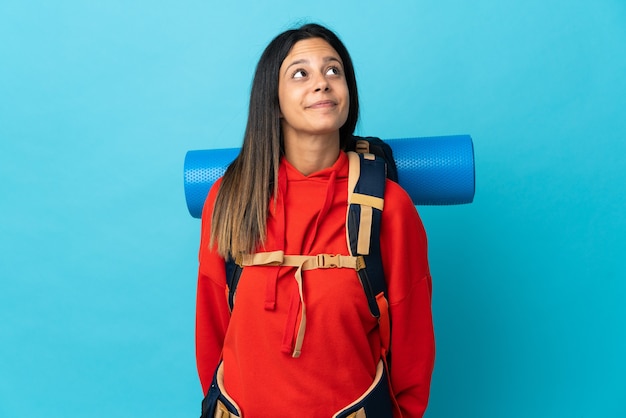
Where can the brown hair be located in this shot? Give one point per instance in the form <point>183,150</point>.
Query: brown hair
<point>239,222</point>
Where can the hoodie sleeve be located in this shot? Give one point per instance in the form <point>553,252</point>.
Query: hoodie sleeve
<point>405,261</point>
<point>212,313</point>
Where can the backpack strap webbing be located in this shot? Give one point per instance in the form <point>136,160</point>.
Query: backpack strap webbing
<point>234,268</point>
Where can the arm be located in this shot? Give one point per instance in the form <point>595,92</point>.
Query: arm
<point>405,259</point>
<point>212,313</point>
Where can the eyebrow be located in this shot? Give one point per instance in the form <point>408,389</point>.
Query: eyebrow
<point>306,61</point>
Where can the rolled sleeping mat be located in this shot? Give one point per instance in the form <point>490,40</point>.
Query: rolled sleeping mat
<point>433,170</point>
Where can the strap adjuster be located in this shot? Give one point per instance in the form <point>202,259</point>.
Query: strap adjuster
<point>327,261</point>
<point>360,263</point>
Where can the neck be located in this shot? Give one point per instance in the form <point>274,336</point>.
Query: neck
<point>311,153</point>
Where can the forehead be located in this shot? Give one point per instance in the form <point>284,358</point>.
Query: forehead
<point>310,48</point>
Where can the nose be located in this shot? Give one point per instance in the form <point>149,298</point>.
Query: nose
<point>321,83</point>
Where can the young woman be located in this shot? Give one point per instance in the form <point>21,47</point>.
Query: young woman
<point>304,343</point>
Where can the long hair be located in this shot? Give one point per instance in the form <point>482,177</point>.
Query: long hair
<point>239,222</point>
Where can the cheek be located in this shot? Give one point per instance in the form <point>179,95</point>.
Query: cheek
<point>345,92</point>
<point>347,102</point>
<point>286,99</point>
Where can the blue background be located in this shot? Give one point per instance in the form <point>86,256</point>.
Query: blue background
<point>99,101</point>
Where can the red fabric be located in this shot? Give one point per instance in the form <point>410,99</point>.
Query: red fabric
<point>341,346</point>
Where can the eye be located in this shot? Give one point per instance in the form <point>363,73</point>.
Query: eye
<point>299,74</point>
<point>333,71</point>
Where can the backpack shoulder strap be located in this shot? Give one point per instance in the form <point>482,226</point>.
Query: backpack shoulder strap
<point>233,273</point>
<point>366,190</point>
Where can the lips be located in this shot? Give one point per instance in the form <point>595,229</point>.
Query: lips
<point>322,104</point>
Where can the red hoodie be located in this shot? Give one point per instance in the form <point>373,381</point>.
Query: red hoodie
<point>341,347</point>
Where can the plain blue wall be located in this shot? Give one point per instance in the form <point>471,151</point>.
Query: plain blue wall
<point>99,101</point>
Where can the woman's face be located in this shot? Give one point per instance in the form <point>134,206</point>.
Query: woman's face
<point>312,90</point>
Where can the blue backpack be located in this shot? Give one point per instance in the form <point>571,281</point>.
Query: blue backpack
<point>376,163</point>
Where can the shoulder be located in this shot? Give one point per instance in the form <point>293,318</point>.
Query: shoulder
<point>400,216</point>
<point>397,200</point>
